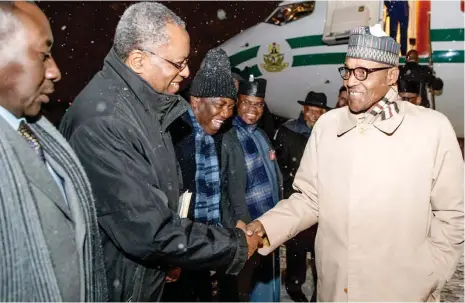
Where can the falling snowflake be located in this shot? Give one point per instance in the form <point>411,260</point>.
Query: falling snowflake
<point>221,14</point>
<point>101,107</point>
<point>63,27</point>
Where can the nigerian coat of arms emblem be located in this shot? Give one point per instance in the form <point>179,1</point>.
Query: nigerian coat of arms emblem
<point>274,60</point>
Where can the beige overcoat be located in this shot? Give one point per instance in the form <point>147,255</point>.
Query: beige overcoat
<point>388,198</point>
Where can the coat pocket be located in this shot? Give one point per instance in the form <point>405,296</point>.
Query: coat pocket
<point>431,282</point>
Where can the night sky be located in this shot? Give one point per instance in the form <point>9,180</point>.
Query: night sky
<point>84,31</point>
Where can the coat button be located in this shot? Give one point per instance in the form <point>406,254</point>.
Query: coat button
<point>345,290</point>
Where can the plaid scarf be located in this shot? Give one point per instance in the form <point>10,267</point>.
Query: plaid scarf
<point>258,191</point>
<point>384,109</point>
<point>207,176</point>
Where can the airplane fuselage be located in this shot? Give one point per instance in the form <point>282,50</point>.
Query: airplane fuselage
<point>295,60</point>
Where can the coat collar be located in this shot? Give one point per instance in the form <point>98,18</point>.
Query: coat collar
<point>167,107</point>
<point>299,126</point>
<point>10,118</point>
<point>348,120</point>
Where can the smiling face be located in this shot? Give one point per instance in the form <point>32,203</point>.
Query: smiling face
<point>312,114</point>
<point>250,108</point>
<point>212,112</point>
<point>29,81</point>
<point>155,65</point>
<point>364,94</point>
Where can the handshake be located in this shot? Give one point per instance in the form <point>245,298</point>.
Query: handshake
<point>254,232</point>
<point>255,235</point>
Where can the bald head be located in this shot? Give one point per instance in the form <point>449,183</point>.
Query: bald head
<point>31,15</point>
<point>18,22</point>
<point>34,20</point>
<point>27,69</point>
<point>24,9</point>
<point>12,34</point>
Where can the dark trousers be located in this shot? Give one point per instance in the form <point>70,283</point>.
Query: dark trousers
<point>200,286</point>
<point>296,260</point>
<point>228,289</point>
<point>257,268</point>
<point>191,286</point>
<point>401,18</point>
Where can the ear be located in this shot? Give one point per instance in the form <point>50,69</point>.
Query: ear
<point>393,75</point>
<point>135,61</point>
<point>194,101</point>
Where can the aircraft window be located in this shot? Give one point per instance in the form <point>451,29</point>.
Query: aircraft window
<point>291,12</point>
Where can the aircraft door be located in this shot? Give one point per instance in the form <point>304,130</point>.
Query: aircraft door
<point>408,23</point>
<point>343,16</point>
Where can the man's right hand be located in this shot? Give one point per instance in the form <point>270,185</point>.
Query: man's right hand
<point>253,241</point>
<point>255,227</point>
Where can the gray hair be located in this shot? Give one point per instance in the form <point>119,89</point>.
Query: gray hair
<point>142,26</point>
<point>12,35</point>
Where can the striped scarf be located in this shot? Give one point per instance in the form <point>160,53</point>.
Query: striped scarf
<point>22,238</point>
<point>258,191</point>
<point>207,176</point>
<point>384,109</point>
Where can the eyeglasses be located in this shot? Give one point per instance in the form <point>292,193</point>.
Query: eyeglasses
<point>178,66</point>
<point>360,73</point>
<point>251,104</point>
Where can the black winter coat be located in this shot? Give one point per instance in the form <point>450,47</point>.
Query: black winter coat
<point>119,128</point>
<point>290,148</point>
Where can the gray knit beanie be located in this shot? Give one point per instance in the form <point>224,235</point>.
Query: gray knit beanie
<point>214,78</point>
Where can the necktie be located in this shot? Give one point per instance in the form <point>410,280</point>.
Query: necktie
<point>31,138</point>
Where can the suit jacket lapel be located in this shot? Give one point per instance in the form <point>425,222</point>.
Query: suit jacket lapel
<point>77,215</point>
<point>36,170</point>
<point>74,204</point>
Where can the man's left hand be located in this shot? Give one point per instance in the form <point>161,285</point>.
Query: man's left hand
<point>173,275</point>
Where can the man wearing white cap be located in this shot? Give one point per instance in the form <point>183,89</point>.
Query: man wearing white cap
<point>383,179</point>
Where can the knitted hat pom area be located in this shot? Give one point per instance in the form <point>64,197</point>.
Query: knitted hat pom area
<point>214,78</point>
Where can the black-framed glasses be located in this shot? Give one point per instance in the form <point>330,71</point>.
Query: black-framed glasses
<point>360,73</point>
<point>179,66</point>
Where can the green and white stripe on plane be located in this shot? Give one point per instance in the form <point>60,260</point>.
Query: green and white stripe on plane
<point>438,36</point>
